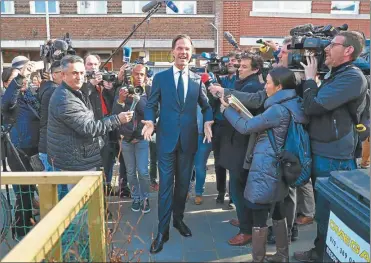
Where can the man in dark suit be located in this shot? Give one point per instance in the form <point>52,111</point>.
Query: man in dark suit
<point>178,91</point>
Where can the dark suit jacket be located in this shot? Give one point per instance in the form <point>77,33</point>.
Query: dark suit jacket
<point>176,123</point>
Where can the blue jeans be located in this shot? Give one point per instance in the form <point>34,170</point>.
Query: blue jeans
<point>200,161</point>
<point>62,188</point>
<point>322,166</point>
<point>136,159</point>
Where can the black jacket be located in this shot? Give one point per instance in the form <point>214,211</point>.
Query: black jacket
<point>233,143</point>
<point>332,108</point>
<point>45,93</point>
<point>96,106</point>
<point>74,136</point>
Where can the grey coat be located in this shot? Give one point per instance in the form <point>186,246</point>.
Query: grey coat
<point>264,185</point>
<point>73,135</point>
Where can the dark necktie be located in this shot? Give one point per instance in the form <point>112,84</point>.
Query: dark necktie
<point>180,89</point>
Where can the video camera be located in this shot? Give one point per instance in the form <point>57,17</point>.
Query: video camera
<point>56,49</point>
<point>215,64</point>
<point>311,40</point>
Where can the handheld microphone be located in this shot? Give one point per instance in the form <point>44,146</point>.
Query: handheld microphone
<point>206,55</point>
<point>231,40</point>
<point>136,99</point>
<point>206,79</point>
<point>148,7</point>
<point>127,54</point>
<point>172,6</point>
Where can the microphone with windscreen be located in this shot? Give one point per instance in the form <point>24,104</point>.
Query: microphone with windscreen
<point>231,40</point>
<point>148,7</point>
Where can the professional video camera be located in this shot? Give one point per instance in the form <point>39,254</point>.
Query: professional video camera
<point>215,64</point>
<point>56,49</point>
<point>311,40</point>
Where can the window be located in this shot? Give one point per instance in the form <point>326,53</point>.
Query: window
<point>344,7</point>
<point>133,7</point>
<point>184,7</point>
<point>91,7</point>
<point>7,7</point>
<point>160,56</point>
<point>282,6</point>
<point>38,7</point>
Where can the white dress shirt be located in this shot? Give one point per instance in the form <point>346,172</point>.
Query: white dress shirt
<point>185,79</point>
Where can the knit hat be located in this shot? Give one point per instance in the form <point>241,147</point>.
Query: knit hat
<point>19,61</point>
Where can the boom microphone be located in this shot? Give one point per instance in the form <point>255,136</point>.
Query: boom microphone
<point>153,3</point>
<point>231,40</point>
<point>149,6</point>
<point>127,54</point>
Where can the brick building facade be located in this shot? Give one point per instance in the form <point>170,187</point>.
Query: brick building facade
<point>100,26</point>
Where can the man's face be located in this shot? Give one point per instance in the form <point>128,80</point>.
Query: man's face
<point>139,75</point>
<point>57,76</point>
<point>336,53</point>
<point>182,53</point>
<point>284,56</point>
<point>245,69</point>
<point>231,68</point>
<point>74,75</point>
<point>92,63</point>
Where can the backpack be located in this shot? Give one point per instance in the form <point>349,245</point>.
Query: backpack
<point>294,158</point>
<point>365,115</point>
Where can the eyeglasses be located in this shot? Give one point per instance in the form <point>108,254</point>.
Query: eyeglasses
<point>332,44</point>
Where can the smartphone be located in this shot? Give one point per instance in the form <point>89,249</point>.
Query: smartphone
<point>39,65</point>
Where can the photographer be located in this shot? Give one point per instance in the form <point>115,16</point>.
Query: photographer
<point>21,110</point>
<point>134,147</point>
<point>334,108</point>
<point>219,127</point>
<point>101,95</point>
<point>7,76</point>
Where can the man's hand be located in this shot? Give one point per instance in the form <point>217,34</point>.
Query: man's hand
<point>121,74</point>
<point>207,130</point>
<point>27,69</point>
<point>98,78</point>
<point>216,90</point>
<point>123,94</point>
<point>147,129</point>
<point>46,76</point>
<point>271,44</point>
<point>107,85</point>
<point>125,117</point>
<point>310,69</point>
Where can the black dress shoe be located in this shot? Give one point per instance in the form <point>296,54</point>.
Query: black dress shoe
<point>182,228</point>
<point>158,243</point>
<point>220,198</point>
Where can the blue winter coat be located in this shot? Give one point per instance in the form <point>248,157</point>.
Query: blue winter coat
<point>264,185</point>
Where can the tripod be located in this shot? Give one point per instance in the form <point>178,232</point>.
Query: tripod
<point>5,135</point>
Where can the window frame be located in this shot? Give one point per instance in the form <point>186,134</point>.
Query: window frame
<point>33,8</point>
<point>11,11</point>
<point>99,13</point>
<point>137,8</point>
<point>345,12</point>
<point>180,5</point>
<point>282,8</point>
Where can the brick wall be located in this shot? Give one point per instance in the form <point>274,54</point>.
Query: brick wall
<point>237,20</point>
<point>14,28</point>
